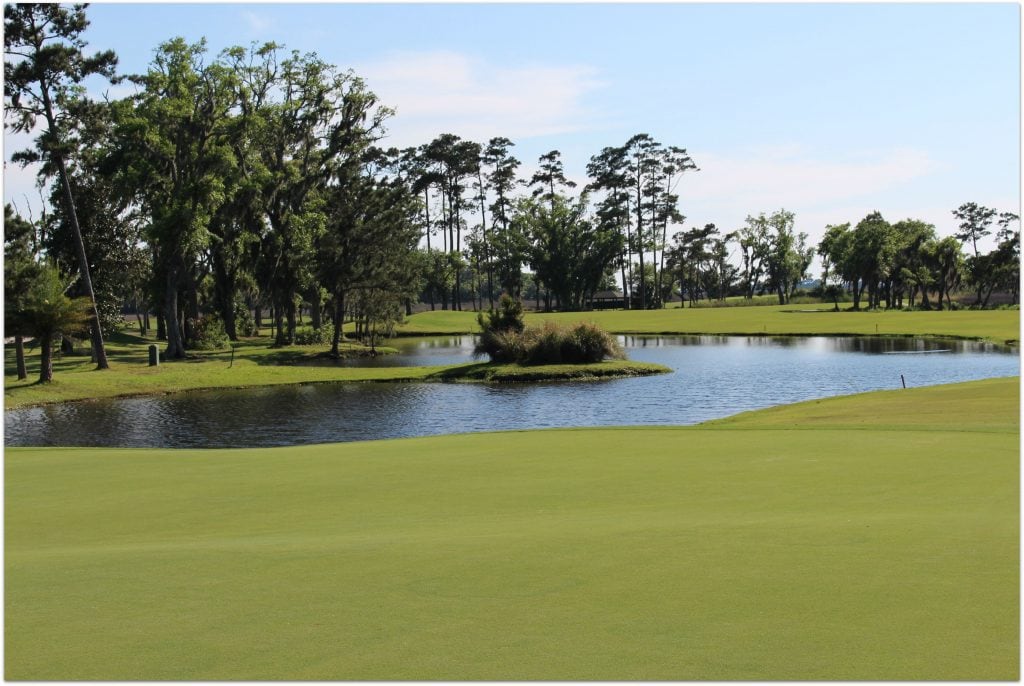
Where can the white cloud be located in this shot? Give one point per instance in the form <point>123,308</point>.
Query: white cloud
<point>257,24</point>
<point>440,92</point>
<point>786,177</point>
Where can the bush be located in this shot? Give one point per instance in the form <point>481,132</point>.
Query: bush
<point>544,345</point>
<point>500,337</point>
<point>320,336</point>
<point>210,334</point>
<point>245,325</point>
<point>550,344</point>
<point>508,316</point>
<point>590,343</point>
<point>505,338</point>
<point>502,346</point>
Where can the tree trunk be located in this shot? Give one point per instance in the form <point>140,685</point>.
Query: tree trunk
<point>19,355</point>
<point>625,284</point>
<point>339,318</point>
<point>280,338</point>
<point>45,358</point>
<point>76,232</point>
<point>290,318</point>
<point>988,295</point>
<point>224,295</point>
<point>175,345</point>
<point>191,308</point>
<point>315,313</point>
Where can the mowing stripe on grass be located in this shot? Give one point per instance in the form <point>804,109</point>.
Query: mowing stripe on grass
<point>692,553</point>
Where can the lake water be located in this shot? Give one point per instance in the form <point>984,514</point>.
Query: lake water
<point>713,376</point>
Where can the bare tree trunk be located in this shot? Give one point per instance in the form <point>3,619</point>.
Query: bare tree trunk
<point>19,355</point>
<point>76,232</point>
<point>280,338</point>
<point>290,311</point>
<point>315,314</point>
<point>175,346</point>
<point>45,358</point>
<point>339,319</point>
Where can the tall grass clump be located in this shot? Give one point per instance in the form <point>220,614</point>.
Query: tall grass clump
<point>505,339</point>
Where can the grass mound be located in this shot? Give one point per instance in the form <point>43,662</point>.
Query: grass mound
<point>742,551</point>
<point>517,373</point>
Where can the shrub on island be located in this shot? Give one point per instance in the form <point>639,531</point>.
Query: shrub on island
<point>505,338</point>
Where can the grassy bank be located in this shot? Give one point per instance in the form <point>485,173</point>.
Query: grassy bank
<point>737,550</point>
<point>1000,326</point>
<point>254,363</point>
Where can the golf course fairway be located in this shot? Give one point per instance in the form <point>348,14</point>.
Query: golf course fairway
<point>869,537</point>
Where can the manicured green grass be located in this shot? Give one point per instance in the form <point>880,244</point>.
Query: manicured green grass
<point>735,551</point>
<point>1001,326</point>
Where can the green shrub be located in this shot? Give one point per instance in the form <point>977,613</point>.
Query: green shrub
<point>502,346</point>
<point>549,344</point>
<point>508,316</point>
<point>544,345</point>
<point>311,336</point>
<point>501,331</point>
<point>589,343</point>
<point>210,334</point>
<point>245,325</point>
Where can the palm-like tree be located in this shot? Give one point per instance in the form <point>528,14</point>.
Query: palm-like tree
<point>46,311</point>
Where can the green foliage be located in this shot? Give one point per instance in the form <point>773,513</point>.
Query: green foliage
<point>508,316</point>
<point>313,336</point>
<point>46,311</point>
<point>500,331</point>
<point>20,267</point>
<point>245,325</point>
<point>379,311</point>
<point>210,334</point>
<point>571,254</point>
<point>550,343</point>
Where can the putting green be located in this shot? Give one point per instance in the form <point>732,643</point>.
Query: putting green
<point>732,551</point>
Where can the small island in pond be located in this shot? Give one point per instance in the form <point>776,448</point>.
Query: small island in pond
<point>519,373</point>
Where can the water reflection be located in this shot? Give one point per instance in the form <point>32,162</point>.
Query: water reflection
<point>714,376</point>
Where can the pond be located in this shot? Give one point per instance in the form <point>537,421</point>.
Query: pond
<point>714,376</point>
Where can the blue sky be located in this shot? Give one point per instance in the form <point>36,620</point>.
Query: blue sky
<point>828,110</point>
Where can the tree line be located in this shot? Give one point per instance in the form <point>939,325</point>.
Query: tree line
<point>255,182</point>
